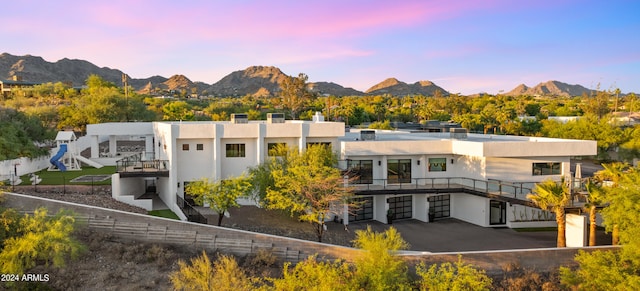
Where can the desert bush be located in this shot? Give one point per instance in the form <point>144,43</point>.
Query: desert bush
<point>448,276</point>
<point>201,274</point>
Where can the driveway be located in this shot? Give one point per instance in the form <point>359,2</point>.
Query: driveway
<point>453,235</point>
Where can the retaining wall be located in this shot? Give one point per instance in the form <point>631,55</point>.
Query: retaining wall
<point>162,230</point>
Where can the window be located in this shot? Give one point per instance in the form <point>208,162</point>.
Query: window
<point>235,150</point>
<point>437,164</point>
<point>185,147</point>
<point>362,171</point>
<point>399,171</point>
<point>326,144</point>
<point>541,169</point>
<point>273,146</point>
<point>199,147</point>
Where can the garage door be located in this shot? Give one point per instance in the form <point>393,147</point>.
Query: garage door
<point>401,206</point>
<point>364,211</point>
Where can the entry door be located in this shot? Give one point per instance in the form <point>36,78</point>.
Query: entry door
<point>498,212</point>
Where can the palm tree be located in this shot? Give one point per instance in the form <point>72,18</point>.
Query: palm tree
<point>553,196</point>
<point>596,199</point>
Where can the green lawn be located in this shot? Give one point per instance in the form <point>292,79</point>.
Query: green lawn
<point>166,213</point>
<point>60,178</point>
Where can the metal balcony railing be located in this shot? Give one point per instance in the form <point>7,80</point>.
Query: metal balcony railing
<point>136,164</point>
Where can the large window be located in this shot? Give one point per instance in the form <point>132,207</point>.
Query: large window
<point>541,169</point>
<point>399,171</point>
<point>437,164</point>
<point>361,171</point>
<point>235,150</point>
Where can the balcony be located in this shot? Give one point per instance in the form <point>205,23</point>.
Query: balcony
<point>135,166</point>
<point>513,192</point>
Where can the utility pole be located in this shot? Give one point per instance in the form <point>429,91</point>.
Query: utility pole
<point>126,96</point>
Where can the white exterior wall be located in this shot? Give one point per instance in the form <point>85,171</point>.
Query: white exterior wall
<point>235,166</point>
<point>420,206</point>
<point>380,208</point>
<point>194,164</point>
<point>520,169</point>
<point>470,208</point>
<point>470,167</point>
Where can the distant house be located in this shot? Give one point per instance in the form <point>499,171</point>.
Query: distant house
<point>6,86</point>
<point>626,118</point>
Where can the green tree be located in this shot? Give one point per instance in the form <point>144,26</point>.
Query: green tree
<point>309,186</point>
<point>381,125</point>
<point>219,195</point>
<point>295,94</point>
<point>617,269</point>
<point>553,196</point>
<point>454,277</point>
<point>611,176</point>
<point>223,274</point>
<point>378,267</point>
<point>177,110</point>
<point>40,239</point>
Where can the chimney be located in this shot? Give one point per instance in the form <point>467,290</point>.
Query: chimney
<point>16,78</point>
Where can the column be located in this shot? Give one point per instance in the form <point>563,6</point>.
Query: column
<point>95,147</point>
<point>113,149</point>
<point>148,147</point>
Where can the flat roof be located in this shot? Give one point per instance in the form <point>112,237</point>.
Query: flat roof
<point>398,135</point>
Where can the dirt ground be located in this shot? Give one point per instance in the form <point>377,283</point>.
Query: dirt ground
<point>111,263</point>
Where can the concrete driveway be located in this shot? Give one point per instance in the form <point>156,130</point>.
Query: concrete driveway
<point>452,235</point>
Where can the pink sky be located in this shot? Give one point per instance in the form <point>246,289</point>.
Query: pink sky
<point>463,46</point>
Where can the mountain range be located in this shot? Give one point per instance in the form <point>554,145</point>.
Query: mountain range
<point>254,80</point>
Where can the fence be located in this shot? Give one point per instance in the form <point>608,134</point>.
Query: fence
<point>190,211</point>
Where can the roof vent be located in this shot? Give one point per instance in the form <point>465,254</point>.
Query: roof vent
<point>458,133</point>
<point>239,118</point>
<point>368,135</point>
<point>275,117</point>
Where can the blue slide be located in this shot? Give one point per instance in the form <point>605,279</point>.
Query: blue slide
<point>55,160</point>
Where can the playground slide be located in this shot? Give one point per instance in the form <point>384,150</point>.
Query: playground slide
<point>89,162</point>
<point>55,160</point>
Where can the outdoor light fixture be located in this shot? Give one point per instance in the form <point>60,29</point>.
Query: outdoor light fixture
<point>452,161</point>
<point>418,162</point>
<point>178,184</point>
<point>379,163</point>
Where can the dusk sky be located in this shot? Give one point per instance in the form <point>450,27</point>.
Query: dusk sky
<point>463,46</point>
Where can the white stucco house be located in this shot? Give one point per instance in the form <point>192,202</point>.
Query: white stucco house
<point>481,179</point>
